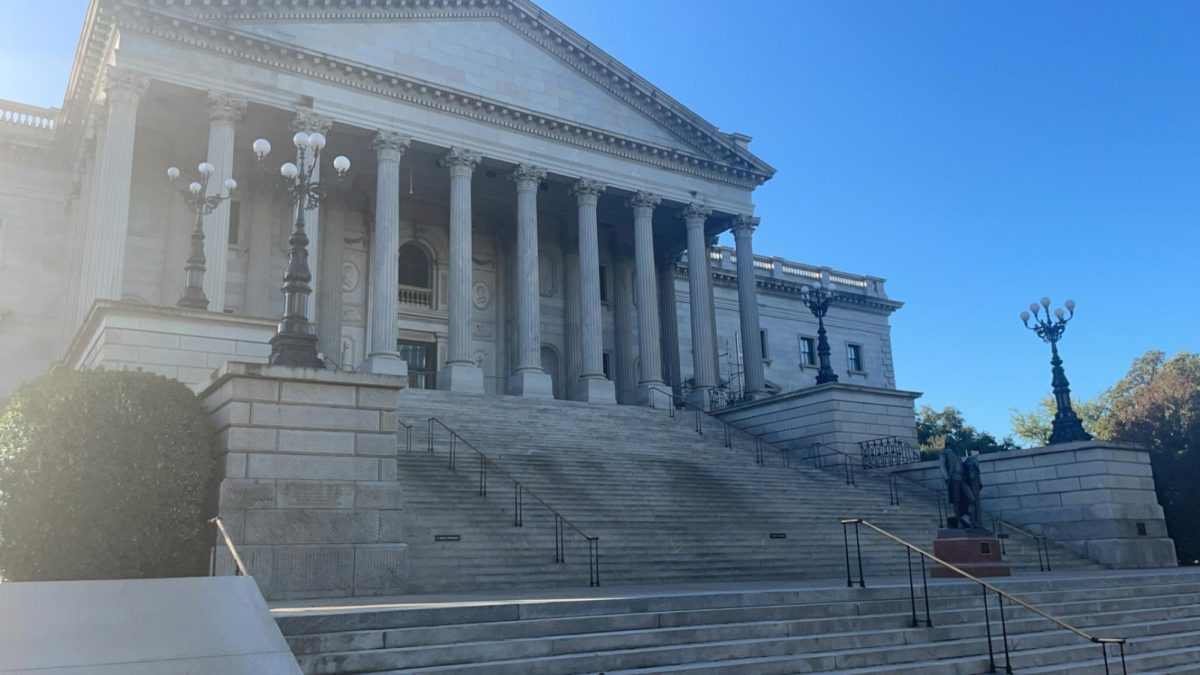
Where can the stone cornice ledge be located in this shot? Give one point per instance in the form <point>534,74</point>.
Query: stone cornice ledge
<point>732,168</point>
<point>820,389</point>
<point>263,371</point>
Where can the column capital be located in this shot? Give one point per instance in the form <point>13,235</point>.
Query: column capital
<point>461,159</point>
<point>586,189</point>
<point>309,122</point>
<point>644,200</point>
<point>744,224</point>
<point>695,214</point>
<point>528,175</point>
<point>225,107</point>
<point>390,145</point>
<point>123,84</point>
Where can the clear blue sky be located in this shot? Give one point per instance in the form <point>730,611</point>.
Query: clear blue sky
<point>977,155</point>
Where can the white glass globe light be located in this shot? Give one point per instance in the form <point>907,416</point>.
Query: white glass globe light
<point>1025,317</point>
<point>300,139</point>
<point>230,184</point>
<point>1059,313</point>
<point>1046,303</point>
<point>172,172</point>
<point>316,140</point>
<point>289,170</point>
<point>341,164</point>
<point>1070,305</point>
<point>262,147</point>
<point>194,188</point>
<point>1033,307</point>
<point>206,169</point>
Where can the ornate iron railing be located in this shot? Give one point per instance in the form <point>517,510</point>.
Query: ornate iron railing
<point>887,451</point>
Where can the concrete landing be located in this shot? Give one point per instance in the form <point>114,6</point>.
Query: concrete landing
<point>190,626</point>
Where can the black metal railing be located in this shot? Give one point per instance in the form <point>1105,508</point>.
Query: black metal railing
<point>1001,529</point>
<point>887,451</point>
<point>407,434</point>
<point>486,467</point>
<point>985,589</point>
<point>701,420</point>
<point>222,536</point>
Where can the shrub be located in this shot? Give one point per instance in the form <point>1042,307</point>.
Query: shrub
<point>104,475</point>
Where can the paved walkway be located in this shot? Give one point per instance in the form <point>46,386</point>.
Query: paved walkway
<point>530,596</point>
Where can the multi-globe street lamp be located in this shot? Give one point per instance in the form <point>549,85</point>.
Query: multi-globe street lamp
<point>1067,426</point>
<point>818,298</point>
<point>295,340</point>
<point>200,203</point>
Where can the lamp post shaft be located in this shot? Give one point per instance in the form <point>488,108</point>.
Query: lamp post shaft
<point>1067,426</point>
<point>295,341</point>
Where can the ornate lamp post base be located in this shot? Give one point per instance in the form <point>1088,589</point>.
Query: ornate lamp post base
<point>295,349</point>
<point>1068,431</point>
<point>193,300</point>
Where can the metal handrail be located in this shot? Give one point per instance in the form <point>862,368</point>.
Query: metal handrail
<point>407,434</point>
<point>519,492</point>
<point>985,586</point>
<point>239,568</point>
<point>726,427</point>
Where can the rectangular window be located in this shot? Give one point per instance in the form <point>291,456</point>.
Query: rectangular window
<point>603,284</point>
<point>808,351</point>
<point>764,345</point>
<point>235,223</point>
<point>607,362</point>
<point>854,358</point>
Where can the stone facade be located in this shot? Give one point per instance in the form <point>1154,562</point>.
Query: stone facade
<point>309,492</point>
<point>1095,496</point>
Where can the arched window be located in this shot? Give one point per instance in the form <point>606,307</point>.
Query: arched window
<point>414,267</point>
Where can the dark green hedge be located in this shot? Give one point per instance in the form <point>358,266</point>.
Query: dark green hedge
<point>104,475</point>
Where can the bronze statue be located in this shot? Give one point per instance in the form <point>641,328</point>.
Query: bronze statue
<point>963,483</point>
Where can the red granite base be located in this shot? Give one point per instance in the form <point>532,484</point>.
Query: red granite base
<point>977,556</point>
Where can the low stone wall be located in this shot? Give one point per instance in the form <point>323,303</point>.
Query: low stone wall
<point>1094,496</point>
<point>184,344</point>
<point>309,492</point>
<point>813,420</point>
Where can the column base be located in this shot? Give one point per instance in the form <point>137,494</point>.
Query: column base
<point>464,377</point>
<point>653,394</point>
<point>699,397</point>
<point>532,384</point>
<point>598,390</point>
<point>384,363</point>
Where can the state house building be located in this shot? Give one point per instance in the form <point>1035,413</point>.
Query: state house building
<point>522,215</point>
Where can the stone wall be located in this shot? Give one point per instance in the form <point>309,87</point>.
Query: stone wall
<point>828,418</point>
<point>184,344</point>
<point>1095,496</point>
<point>309,492</point>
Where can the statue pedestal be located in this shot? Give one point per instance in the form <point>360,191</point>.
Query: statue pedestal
<point>976,552</point>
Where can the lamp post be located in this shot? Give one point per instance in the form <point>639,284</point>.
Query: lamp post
<point>200,203</point>
<point>818,298</point>
<point>1067,425</point>
<point>295,341</point>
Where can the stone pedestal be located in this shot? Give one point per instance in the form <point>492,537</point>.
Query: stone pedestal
<point>461,377</point>
<point>309,490</point>
<point>976,552</point>
<point>531,383</point>
<point>594,390</point>
<point>385,363</point>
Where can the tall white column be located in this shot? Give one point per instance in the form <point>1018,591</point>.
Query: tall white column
<point>752,357</point>
<point>460,372</point>
<point>385,256</point>
<point>670,321</point>
<point>528,378</point>
<point>649,346</point>
<point>704,353</point>
<point>592,385</point>
<point>573,347</point>
<point>625,372</point>
<point>108,227</point>
<point>308,122</point>
<point>224,111</point>
<point>79,213</point>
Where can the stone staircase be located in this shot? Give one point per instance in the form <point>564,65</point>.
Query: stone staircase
<point>765,628</point>
<point>668,505</point>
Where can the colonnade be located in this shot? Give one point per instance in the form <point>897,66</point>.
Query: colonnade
<point>106,228</point>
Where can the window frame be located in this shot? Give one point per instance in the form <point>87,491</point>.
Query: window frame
<point>854,352</point>
<point>811,342</point>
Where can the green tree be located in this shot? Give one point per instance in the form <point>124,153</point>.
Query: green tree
<point>1033,427</point>
<point>937,429</point>
<point>104,475</point>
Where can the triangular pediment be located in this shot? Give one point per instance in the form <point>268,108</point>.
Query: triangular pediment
<point>482,57</point>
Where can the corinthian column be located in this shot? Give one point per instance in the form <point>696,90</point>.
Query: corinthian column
<point>625,373</point>
<point>649,348</point>
<point>460,372</point>
<point>592,385</point>
<point>528,378</point>
<point>108,226</point>
<point>752,357</point>
<point>385,261</point>
<point>572,349</point>
<point>224,111</point>
<point>704,353</point>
